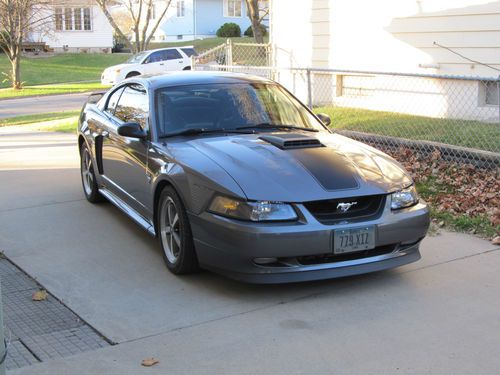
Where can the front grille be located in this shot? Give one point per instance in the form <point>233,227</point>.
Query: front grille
<point>328,212</point>
<point>331,258</point>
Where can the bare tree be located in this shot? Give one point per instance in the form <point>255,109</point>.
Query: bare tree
<point>257,11</point>
<point>18,18</point>
<point>140,13</point>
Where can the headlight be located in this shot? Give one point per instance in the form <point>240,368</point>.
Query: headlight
<point>253,211</point>
<point>404,198</point>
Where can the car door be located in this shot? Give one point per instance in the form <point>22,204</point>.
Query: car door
<point>124,159</point>
<point>154,63</point>
<point>174,60</point>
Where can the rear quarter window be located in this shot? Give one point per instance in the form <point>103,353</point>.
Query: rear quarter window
<point>189,52</point>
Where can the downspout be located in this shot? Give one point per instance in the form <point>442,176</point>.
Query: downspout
<point>194,19</point>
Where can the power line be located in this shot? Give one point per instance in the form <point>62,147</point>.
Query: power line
<point>465,57</point>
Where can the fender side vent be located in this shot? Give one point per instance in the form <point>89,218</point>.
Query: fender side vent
<point>291,141</point>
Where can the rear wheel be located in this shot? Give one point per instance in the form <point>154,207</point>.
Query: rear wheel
<point>174,232</point>
<point>89,181</point>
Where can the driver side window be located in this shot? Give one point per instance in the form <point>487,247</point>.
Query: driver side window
<point>113,101</point>
<point>155,57</point>
<point>133,105</point>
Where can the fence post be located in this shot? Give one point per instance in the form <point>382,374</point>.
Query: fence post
<point>229,52</point>
<point>498,91</point>
<point>193,62</point>
<point>309,88</point>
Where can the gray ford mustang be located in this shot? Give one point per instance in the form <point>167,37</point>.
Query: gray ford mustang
<point>235,175</point>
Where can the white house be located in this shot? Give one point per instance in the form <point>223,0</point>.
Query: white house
<point>197,19</point>
<point>444,37</point>
<point>78,26</point>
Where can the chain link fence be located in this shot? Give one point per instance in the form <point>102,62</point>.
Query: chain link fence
<point>459,116</point>
<point>234,54</point>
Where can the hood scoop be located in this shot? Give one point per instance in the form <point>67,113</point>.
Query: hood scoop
<point>291,141</point>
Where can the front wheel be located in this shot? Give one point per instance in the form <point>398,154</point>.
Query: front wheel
<point>89,181</point>
<point>174,232</point>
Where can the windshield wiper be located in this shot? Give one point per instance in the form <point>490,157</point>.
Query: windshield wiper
<point>195,131</point>
<point>267,125</point>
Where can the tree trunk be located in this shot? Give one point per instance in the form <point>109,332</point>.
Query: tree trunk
<point>16,73</point>
<point>253,14</point>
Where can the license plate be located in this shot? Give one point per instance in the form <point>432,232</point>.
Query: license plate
<point>355,239</point>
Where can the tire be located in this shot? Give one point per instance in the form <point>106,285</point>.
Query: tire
<point>177,244</point>
<point>89,181</point>
<point>132,74</point>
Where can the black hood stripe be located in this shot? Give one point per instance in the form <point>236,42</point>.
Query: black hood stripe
<point>330,168</point>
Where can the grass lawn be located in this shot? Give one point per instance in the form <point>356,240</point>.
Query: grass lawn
<point>473,134</point>
<point>62,88</point>
<point>30,119</point>
<point>70,67</point>
<point>65,126</point>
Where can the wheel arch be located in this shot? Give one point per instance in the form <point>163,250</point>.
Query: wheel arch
<point>133,73</point>
<point>160,186</point>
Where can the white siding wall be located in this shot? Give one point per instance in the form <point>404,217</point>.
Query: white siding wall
<point>96,40</point>
<point>389,35</point>
<point>392,36</point>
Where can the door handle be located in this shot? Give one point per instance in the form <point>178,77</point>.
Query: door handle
<point>162,64</point>
<point>181,62</point>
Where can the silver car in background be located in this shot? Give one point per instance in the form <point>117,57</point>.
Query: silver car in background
<point>233,174</point>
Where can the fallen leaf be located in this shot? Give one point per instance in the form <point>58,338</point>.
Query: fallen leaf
<point>39,295</point>
<point>496,240</point>
<point>148,362</point>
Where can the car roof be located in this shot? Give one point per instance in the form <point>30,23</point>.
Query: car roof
<point>188,77</point>
<point>165,48</point>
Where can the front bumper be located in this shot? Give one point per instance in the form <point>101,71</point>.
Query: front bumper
<point>109,79</point>
<point>230,247</point>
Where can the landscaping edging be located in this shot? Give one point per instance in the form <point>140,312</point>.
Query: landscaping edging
<point>480,158</point>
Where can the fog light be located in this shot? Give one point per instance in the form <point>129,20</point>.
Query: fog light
<point>265,260</point>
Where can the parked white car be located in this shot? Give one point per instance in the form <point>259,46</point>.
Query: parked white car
<point>150,62</point>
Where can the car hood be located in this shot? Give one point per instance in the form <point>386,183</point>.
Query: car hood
<point>340,167</point>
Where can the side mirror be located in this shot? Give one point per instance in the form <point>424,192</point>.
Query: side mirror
<point>131,130</point>
<point>325,119</point>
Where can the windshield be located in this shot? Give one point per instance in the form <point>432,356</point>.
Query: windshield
<point>213,107</point>
<point>137,58</point>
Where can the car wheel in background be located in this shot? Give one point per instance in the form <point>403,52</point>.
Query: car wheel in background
<point>89,181</point>
<point>174,233</point>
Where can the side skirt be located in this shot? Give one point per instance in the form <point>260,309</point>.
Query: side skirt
<point>133,214</point>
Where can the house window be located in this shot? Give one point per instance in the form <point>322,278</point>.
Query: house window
<point>491,92</point>
<point>77,14</point>
<point>232,8</point>
<point>179,37</point>
<point>180,8</point>
<point>68,19</point>
<point>73,19</point>
<point>153,11</point>
<point>87,25</point>
<point>59,19</point>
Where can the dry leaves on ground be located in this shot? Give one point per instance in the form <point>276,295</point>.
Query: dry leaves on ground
<point>148,362</point>
<point>40,295</point>
<point>457,188</point>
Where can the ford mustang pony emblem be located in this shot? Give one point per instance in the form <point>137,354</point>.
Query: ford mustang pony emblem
<point>345,206</point>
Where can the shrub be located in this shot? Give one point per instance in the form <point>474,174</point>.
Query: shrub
<point>249,31</point>
<point>229,30</point>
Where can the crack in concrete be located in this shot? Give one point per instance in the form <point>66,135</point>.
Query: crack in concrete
<point>41,205</point>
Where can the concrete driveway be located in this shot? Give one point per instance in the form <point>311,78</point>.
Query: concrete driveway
<point>41,104</point>
<point>439,315</point>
